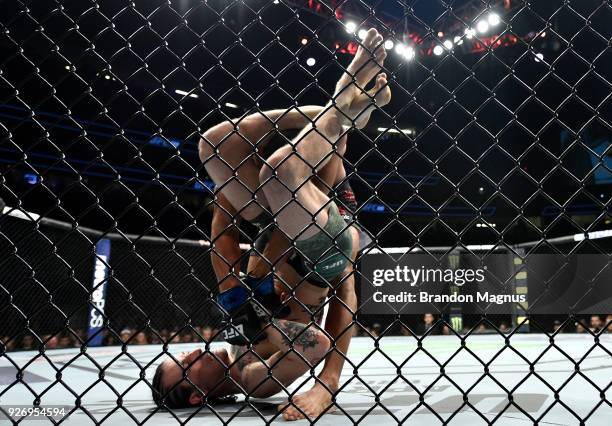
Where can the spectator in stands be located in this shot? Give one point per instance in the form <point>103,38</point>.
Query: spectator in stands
<point>50,342</point>
<point>207,333</point>
<point>609,323</point>
<point>580,328</point>
<point>154,339</point>
<point>595,323</point>
<point>186,337</point>
<point>27,342</point>
<point>482,328</point>
<point>164,333</point>
<point>427,325</point>
<point>82,336</point>
<point>109,339</point>
<point>140,339</point>
<point>65,341</point>
<point>557,326</point>
<point>503,327</point>
<point>125,335</point>
<point>375,330</point>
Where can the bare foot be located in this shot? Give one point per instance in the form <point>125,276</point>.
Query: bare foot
<point>364,104</point>
<point>368,62</point>
<point>313,403</point>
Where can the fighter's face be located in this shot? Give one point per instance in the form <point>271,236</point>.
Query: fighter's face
<point>197,366</point>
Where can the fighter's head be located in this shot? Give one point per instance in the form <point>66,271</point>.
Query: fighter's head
<point>185,380</point>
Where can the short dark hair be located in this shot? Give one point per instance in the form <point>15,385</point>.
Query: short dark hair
<point>175,397</point>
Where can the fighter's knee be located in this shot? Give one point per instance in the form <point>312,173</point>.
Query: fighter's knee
<point>284,166</point>
<point>321,348</point>
<point>212,139</point>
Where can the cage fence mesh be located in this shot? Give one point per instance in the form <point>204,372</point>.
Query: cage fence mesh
<point>497,134</point>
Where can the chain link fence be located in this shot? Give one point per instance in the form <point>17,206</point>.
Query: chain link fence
<point>152,151</point>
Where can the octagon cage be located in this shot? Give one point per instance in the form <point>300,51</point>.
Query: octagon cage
<point>347,211</point>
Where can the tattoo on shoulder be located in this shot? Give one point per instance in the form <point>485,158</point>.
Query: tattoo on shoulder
<point>298,334</point>
<point>242,356</point>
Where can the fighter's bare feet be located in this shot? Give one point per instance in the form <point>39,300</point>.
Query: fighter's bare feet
<point>363,105</point>
<point>367,62</point>
<point>313,403</point>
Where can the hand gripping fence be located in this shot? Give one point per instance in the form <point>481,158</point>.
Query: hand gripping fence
<point>140,140</point>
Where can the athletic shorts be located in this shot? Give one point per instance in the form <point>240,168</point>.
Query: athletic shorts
<point>327,253</point>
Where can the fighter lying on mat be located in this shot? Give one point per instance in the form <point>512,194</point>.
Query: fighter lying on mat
<point>289,350</point>
<point>271,364</point>
<point>285,186</point>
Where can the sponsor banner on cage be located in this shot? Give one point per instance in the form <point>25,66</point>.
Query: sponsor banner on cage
<point>493,284</point>
<point>98,295</point>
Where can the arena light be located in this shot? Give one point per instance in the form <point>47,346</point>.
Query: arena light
<point>480,246</point>
<point>482,26</point>
<point>539,57</point>
<point>362,34</point>
<point>311,62</point>
<point>107,77</point>
<point>304,41</point>
<point>184,93</point>
<point>409,53</point>
<point>389,44</point>
<point>438,50</point>
<point>470,33</point>
<point>399,49</point>
<point>448,44</point>
<point>392,130</point>
<point>231,105</point>
<point>595,235</point>
<point>350,27</point>
<point>493,19</point>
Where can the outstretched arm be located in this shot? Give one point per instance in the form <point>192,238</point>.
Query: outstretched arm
<point>225,236</point>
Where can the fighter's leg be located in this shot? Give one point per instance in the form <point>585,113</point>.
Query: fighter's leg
<point>229,153</point>
<point>368,62</point>
<point>296,201</point>
<point>229,160</point>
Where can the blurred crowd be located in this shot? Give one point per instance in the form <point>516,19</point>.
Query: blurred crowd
<point>127,335</point>
<point>433,326</point>
<point>428,324</point>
